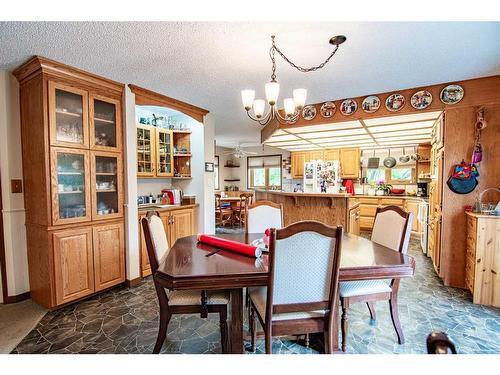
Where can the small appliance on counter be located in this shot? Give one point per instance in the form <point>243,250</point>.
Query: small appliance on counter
<point>188,199</point>
<point>174,195</point>
<point>422,189</point>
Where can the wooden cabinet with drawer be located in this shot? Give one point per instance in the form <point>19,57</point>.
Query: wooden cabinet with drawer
<point>369,205</point>
<point>354,220</point>
<point>482,259</point>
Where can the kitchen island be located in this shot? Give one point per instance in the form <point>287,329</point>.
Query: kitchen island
<point>331,209</point>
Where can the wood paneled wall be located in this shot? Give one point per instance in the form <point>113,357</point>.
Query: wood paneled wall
<point>459,144</point>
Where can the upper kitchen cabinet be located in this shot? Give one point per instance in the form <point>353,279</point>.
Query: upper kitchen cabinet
<point>68,116</point>
<point>105,123</point>
<point>349,162</point>
<point>146,138</point>
<point>298,160</point>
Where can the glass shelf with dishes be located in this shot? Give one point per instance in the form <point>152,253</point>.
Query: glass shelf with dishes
<point>68,116</point>
<point>70,185</point>
<point>106,195</point>
<point>104,113</point>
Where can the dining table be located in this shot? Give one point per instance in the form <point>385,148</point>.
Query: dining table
<point>191,265</point>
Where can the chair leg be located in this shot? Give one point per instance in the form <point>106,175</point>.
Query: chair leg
<point>269,342</point>
<point>162,331</point>
<point>326,340</point>
<point>344,325</point>
<point>307,340</point>
<point>253,329</point>
<point>371,307</point>
<point>223,330</point>
<point>393,306</point>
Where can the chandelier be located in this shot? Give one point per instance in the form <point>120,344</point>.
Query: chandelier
<point>292,106</point>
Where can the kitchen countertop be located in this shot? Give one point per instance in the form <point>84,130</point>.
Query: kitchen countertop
<point>389,196</point>
<point>302,194</point>
<point>482,216</point>
<point>145,208</point>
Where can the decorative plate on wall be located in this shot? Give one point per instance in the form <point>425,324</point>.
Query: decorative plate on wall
<point>395,102</point>
<point>309,112</point>
<point>371,104</point>
<point>327,109</point>
<point>421,99</point>
<point>452,94</point>
<point>348,107</point>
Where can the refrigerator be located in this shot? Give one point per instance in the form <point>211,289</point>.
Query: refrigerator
<point>322,176</point>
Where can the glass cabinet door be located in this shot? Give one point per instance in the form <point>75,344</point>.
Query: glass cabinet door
<point>105,123</point>
<point>70,181</point>
<point>164,155</point>
<point>107,198</point>
<point>68,116</point>
<point>145,151</point>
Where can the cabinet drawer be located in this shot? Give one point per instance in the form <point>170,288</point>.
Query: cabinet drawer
<point>391,202</point>
<point>368,210</point>
<point>368,200</point>
<point>366,222</point>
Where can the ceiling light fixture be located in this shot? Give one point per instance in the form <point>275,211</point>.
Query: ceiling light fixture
<point>292,107</point>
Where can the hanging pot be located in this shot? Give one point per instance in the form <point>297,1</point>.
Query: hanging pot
<point>389,162</point>
<point>405,158</point>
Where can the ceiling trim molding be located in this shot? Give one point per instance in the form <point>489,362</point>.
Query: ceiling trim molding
<point>477,92</point>
<point>147,97</point>
<point>40,64</point>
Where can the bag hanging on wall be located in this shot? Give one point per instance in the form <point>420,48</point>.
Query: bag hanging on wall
<point>463,179</point>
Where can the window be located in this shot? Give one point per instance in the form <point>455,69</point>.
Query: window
<point>264,172</point>
<point>375,175</point>
<point>216,173</point>
<point>400,175</point>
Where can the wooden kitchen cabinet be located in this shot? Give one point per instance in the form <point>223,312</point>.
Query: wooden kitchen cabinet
<point>71,130</point>
<point>73,264</point>
<point>368,208</point>
<point>412,206</point>
<point>483,258</point>
<point>109,259</point>
<point>177,224</point>
<point>298,160</point>
<point>354,221</point>
<point>349,162</point>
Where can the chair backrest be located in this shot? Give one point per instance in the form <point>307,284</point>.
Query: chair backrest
<point>217,201</point>
<point>156,239</point>
<point>304,263</point>
<point>263,215</point>
<point>392,228</point>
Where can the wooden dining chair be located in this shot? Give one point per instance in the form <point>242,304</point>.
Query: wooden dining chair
<point>240,214</point>
<point>179,301</point>
<point>223,215</point>
<point>301,292</point>
<point>392,229</point>
<point>263,215</point>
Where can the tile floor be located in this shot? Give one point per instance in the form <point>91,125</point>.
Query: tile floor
<point>126,320</point>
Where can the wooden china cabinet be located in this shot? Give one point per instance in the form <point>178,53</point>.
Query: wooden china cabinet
<point>71,124</point>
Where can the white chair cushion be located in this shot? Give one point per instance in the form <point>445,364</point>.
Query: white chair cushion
<point>158,237</point>
<point>193,297</point>
<point>262,217</point>
<point>259,298</point>
<point>363,287</point>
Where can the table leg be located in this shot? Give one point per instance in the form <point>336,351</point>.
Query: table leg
<point>236,330</point>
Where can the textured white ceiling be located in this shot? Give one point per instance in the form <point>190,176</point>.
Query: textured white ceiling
<point>207,64</point>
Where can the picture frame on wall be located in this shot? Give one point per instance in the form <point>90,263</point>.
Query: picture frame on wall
<point>209,167</point>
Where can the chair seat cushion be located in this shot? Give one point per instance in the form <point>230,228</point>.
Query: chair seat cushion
<point>193,297</point>
<point>259,298</point>
<point>363,287</point>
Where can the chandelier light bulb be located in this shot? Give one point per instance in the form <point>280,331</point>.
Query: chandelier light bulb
<point>299,97</point>
<point>258,107</point>
<point>247,97</point>
<point>272,92</point>
<point>289,105</point>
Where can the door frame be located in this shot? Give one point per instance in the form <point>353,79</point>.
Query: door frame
<point>3,268</point>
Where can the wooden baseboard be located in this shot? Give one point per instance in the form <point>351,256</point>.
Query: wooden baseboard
<point>18,298</point>
<point>133,282</point>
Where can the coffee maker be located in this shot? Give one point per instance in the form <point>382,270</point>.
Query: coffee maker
<point>421,189</point>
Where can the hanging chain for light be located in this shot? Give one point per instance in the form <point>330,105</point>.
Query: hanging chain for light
<point>336,41</point>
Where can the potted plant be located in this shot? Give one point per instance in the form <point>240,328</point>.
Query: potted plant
<point>383,188</point>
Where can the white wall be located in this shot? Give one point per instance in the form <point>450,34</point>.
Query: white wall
<point>13,204</point>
